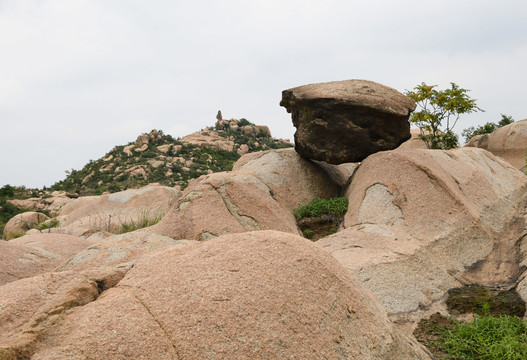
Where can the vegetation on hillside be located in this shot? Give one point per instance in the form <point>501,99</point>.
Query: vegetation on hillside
<point>165,160</point>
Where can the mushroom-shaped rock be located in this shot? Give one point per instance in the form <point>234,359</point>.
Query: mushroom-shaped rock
<point>258,295</point>
<point>345,121</point>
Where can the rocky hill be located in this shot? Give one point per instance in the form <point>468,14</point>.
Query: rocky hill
<point>220,269</point>
<point>157,157</point>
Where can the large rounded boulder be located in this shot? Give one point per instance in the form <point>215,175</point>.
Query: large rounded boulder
<point>35,254</point>
<point>226,202</point>
<point>293,180</point>
<point>259,295</point>
<point>423,221</point>
<point>345,121</point>
<point>110,212</point>
<point>19,224</point>
<point>508,142</point>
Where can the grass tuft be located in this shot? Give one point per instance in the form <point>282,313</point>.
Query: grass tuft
<point>145,220</point>
<point>486,337</point>
<point>318,207</point>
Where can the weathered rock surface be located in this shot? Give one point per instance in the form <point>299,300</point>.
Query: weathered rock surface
<point>228,202</point>
<point>19,224</point>
<point>479,141</point>
<point>345,121</point>
<point>293,180</point>
<point>423,221</point>
<point>508,142</point>
<point>31,255</point>
<point>263,295</point>
<point>414,142</point>
<point>32,308</point>
<point>109,212</point>
<point>117,249</point>
<point>340,174</point>
<point>210,139</point>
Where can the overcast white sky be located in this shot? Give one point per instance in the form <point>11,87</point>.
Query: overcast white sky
<point>78,77</point>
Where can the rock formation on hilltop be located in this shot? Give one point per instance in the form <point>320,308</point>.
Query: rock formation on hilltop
<point>159,158</point>
<point>345,121</point>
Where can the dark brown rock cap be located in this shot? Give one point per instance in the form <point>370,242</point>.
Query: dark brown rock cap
<point>346,121</point>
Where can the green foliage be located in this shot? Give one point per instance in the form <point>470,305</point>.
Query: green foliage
<point>439,113</point>
<point>318,207</point>
<point>308,233</point>
<point>489,127</point>
<point>244,122</point>
<point>505,120</point>
<point>145,220</point>
<point>48,224</point>
<point>486,337</point>
<point>7,191</point>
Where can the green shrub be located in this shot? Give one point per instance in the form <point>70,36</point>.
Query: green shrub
<point>318,207</point>
<point>244,122</point>
<point>308,233</point>
<point>48,224</point>
<point>487,128</point>
<point>486,337</point>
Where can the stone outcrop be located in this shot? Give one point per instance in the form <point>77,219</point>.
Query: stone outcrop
<point>210,139</point>
<point>423,221</point>
<point>117,249</point>
<point>264,295</point>
<point>220,203</point>
<point>345,121</point>
<point>340,174</point>
<point>293,180</point>
<point>31,308</point>
<point>109,212</point>
<point>414,142</point>
<point>52,202</point>
<point>508,142</point>
<point>19,224</point>
<point>32,255</point>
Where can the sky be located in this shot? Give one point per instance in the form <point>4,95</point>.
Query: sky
<point>78,77</point>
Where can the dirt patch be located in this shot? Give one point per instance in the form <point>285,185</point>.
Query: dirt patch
<point>428,330</point>
<point>319,227</point>
<point>472,298</point>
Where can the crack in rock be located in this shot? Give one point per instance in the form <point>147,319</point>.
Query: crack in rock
<point>248,223</point>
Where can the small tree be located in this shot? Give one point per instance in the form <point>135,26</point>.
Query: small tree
<point>439,113</point>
